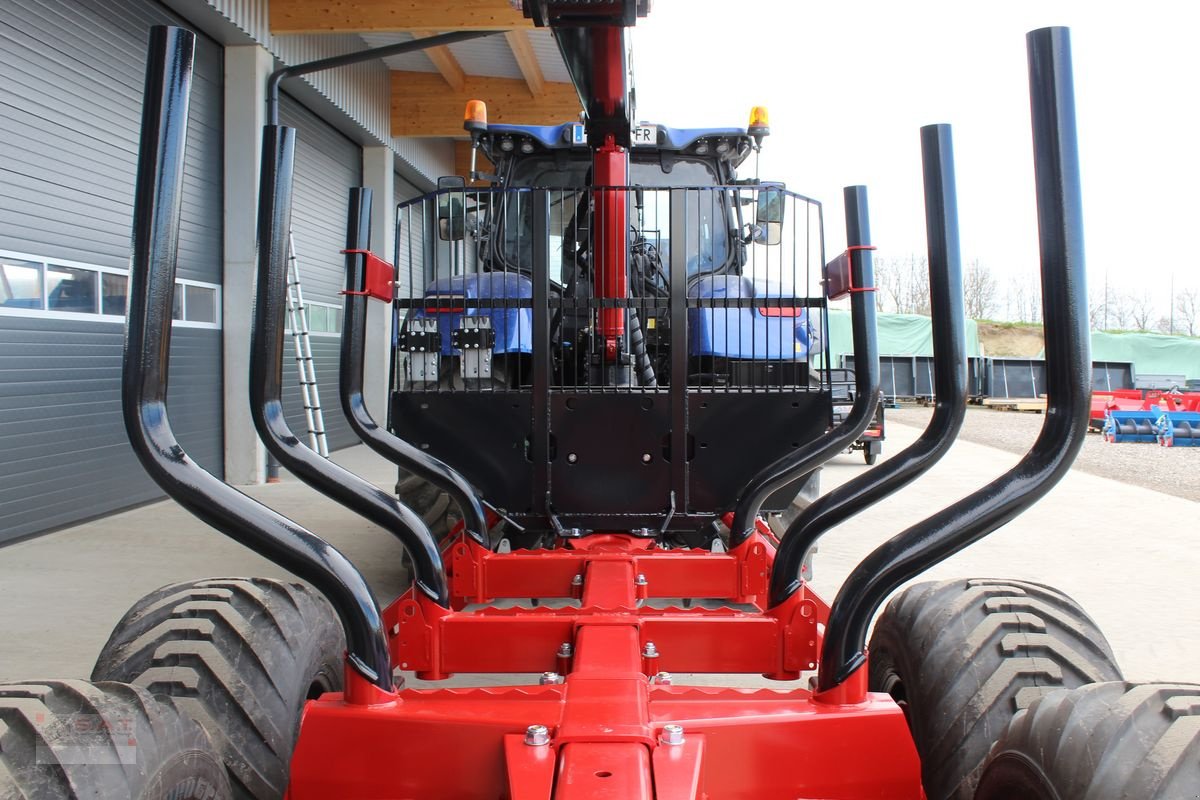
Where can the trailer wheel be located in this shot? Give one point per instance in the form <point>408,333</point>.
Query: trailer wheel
<point>1106,741</point>
<point>962,657</point>
<point>239,655</point>
<point>73,739</point>
<point>870,456</point>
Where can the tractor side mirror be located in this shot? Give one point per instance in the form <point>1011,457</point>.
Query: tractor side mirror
<point>769,216</point>
<point>452,216</point>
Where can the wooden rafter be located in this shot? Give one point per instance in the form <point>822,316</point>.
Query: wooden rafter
<point>357,16</point>
<point>422,106</point>
<point>445,62</point>
<point>522,49</point>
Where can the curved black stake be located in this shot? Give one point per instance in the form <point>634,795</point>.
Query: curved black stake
<point>157,203</point>
<point>266,371</point>
<point>950,378</point>
<point>1068,378</point>
<point>866,381</point>
<point>354,339</point>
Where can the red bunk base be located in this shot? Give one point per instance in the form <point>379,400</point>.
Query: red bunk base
<point>610,725</point>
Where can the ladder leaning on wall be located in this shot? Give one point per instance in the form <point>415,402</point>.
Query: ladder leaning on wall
<point>305,366</point>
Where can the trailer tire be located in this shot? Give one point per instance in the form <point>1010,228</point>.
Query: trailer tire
<point>241,656</point>
<point>1106,741</point>
<point>74,739</point>
<point>962,657</point>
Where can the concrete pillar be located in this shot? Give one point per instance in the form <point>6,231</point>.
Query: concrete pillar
<point>246,71</point>
<point>379,171</point>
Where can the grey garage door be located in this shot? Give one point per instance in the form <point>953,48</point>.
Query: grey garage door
<point>70,104</point>
<point>328,165</point>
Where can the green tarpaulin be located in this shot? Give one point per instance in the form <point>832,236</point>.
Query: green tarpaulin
<point>1151,353</point>
<point>899,335</point>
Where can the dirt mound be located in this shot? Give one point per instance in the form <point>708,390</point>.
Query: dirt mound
<point>1021,339</point>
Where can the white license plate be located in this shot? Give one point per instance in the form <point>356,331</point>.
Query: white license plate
<point>644,135</point>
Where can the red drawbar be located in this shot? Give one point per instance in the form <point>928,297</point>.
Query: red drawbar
<point>616,730</point>
<point>380,276</point>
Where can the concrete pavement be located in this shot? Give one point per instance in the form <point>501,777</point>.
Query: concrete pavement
<point>1128,555</point>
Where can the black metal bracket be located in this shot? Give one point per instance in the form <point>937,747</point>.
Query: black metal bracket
<point>411,341</point>
<point>473,339</point>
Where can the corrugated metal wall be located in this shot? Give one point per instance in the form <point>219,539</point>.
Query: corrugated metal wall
<point>70,94</point>
<point>362,91</point>
<point>327,166</point>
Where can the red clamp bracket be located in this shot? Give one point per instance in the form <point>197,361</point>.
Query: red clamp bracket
<point>850,250</point>
<point>379,277</point>
<point>839,276</point>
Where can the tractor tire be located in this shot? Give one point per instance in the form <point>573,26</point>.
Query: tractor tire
<point>1107,741</point>
<point>239,655</point>
<point>61,740</point>
<point>962,657</point>
<point>432,504</point>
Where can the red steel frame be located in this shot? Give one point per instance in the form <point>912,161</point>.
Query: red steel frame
<point>606,718</point>
<point>612,645</point>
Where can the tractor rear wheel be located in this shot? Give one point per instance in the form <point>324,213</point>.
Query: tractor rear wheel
<point>239,655</point>
<point>61,740</point>
<point>962,657</point>
<point>429,502</point>
<point>1107,741</point>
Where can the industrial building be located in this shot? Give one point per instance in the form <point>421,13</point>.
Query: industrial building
<point>70,100</point>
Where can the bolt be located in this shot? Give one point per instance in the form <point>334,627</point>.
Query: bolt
<point>663,679</point>
<point>646,458</point>
<point>577,580</point>
<point>549,679</point>
<point>640,580</point>
<point>538,735</point>
<point>572,458</point>
<point>565,650</point>
<point>649,651</point>
<point>671,734</point>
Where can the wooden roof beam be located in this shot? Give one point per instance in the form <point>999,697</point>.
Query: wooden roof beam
<point>522,50</point>
<point>422,106</point>
<point>360,16</point>
<point>446,63</point>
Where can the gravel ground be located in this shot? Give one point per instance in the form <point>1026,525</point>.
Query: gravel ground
<point>1171,470</point>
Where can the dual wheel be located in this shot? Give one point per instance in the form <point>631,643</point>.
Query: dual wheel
<point>196,696</point>
<point>1011,692</point>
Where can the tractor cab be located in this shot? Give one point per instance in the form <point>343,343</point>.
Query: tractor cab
<point>563,295</point>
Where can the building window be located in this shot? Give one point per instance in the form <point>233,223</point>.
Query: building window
<point>32,286</point>
<point>324,319</point>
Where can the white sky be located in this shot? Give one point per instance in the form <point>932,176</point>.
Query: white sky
<point>849,84</point>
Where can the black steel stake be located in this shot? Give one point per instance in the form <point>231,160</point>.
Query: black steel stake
<point>949,379</point>
<point>866,380</point>
<point>350,384</point>
<point>1068,378</point>
<point>156,210</point>
<point>266,384</point>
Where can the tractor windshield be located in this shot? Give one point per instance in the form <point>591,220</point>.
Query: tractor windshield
<point>708,225</point>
